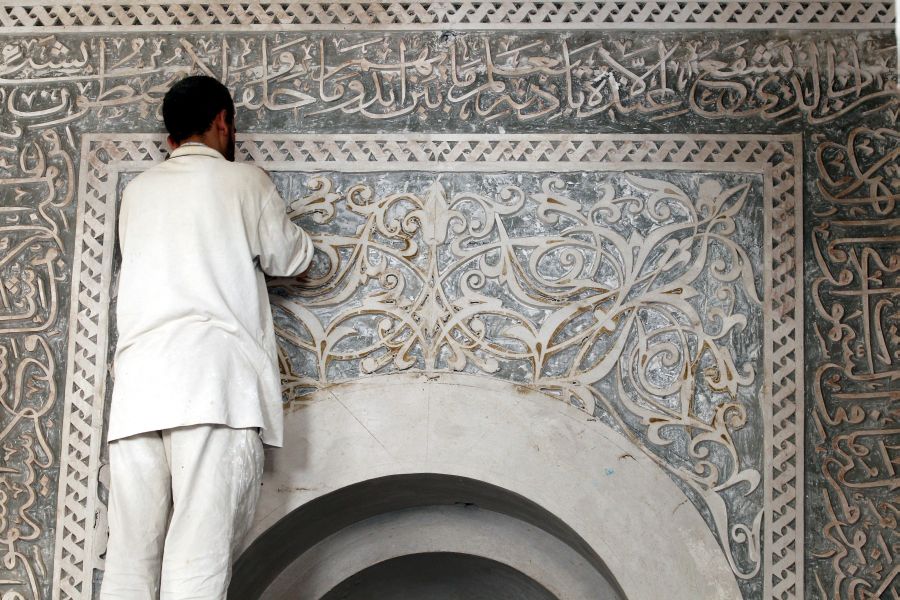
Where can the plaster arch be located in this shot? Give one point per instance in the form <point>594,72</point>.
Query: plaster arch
<point>441,524</point>
<point>648,535</point>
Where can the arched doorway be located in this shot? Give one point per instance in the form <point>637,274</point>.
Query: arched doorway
<point>425,535</point>
<point>386,478</point>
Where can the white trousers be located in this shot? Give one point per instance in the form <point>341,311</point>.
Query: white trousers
<point>180,503</point>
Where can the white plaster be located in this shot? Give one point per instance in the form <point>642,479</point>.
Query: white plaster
<point>593,479</point>
<point>528,549</point>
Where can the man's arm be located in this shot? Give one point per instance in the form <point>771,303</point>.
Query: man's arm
<point>284,249</point>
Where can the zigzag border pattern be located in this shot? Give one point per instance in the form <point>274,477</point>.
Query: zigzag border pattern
<point>473,14</point>
<point>776,156</point>
<point>82,430</point>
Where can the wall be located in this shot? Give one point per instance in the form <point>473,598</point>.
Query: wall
<point>677,216</point>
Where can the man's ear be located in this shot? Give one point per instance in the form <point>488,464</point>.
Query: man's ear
<point>220,122</point>
<point>173,145</point>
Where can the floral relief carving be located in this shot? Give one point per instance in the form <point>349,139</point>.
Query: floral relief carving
<point>602,289</point>
<point>486,261</point>
<point>710,386</point>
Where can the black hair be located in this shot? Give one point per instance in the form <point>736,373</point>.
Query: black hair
<point>190,106</point>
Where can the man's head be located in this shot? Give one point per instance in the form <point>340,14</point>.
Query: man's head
<point>200,109</point>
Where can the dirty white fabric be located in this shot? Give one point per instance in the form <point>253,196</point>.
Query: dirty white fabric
<point>180,503</point>
<point>196,340</point>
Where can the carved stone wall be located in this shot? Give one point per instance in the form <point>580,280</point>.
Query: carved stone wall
<point>678,216</point>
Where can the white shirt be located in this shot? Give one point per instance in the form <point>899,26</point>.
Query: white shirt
<point>196,340</point>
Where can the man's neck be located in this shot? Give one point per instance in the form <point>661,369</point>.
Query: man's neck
<point>202,140</point>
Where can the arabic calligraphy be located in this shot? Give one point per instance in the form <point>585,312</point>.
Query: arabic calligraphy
<point>838,88</point>
<point>469,78</point>
<point>32,273</point>
<point>854,409</point>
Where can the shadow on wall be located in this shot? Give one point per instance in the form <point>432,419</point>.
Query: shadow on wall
<point>440,576</point>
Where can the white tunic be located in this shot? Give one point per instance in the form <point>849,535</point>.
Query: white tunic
<point>196,340</point>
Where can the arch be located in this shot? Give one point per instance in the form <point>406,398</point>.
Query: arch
<point>516,451</point>
<point>336,538</point>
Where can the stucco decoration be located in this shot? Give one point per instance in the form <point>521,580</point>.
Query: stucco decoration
<point>431,80</point>
<point>853,376</point>
<point>642,302</point>
<point>498,433</point>
<point>532,145</point>
<point>475,14</point>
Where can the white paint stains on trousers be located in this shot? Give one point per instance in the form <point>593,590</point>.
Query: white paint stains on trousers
<point>181,501</point>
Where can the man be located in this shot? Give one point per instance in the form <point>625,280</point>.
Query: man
<point>196,375</point>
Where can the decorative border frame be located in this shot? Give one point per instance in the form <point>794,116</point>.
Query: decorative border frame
<point>17,16</point>
<point>777,158</point>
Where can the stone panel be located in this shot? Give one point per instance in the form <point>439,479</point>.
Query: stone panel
<point>618,218</point>
<point>635,277</point>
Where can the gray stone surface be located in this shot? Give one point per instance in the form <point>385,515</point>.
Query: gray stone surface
<point>704,367</point>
